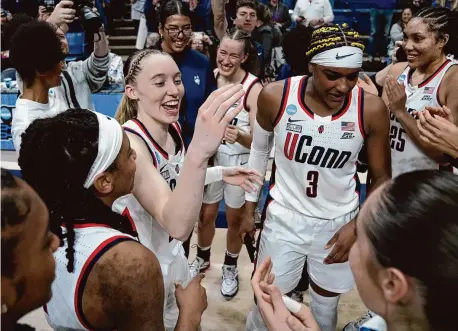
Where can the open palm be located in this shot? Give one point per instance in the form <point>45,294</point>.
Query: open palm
<point>245,178</point>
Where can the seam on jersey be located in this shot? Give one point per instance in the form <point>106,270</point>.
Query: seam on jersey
<point>283,102</point>
<point>145,131</point>
<point>147,146</point>
<point>434,74</point>
<point>247,92</point>
<point>85,272</point>
<point>361,112</point>
<point>440,83</point>
<point>301,96</point>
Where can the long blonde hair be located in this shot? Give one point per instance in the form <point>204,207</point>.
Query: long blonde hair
<point>128,108</point>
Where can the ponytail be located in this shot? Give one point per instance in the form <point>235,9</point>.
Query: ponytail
<point>127,110</point>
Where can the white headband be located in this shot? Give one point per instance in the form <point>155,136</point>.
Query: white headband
<point>109,146</point>
<point>340,57</point>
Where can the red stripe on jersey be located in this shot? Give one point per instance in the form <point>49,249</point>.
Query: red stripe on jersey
<point>301,94</point>
<point>85,271</point>
<point>156,145</point>
<point>361,112</point>
<point>178,129</point>
<point>126,213</point>
<point>245,97</point>
<point>342,112</point>
<point>88,225</point>
<point>434,74</point>
<point>283,102</point>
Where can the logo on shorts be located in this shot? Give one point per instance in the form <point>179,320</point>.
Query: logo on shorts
<point>294,127</point>
<point>347,135</point>
<point>291,109</point>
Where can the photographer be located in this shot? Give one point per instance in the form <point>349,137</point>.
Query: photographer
<point>79,79</point>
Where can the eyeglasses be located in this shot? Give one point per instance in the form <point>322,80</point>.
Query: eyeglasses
<point>175,32</point>
<point>245,15</point>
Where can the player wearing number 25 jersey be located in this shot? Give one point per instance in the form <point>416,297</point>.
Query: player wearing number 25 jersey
<point>318,124</point>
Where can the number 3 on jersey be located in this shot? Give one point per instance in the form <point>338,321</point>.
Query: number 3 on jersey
<point>312,189</point>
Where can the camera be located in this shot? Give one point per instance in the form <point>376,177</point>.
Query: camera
<point>90,20</point>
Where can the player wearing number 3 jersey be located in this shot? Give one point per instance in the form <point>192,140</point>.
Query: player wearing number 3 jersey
<point>319,123</point>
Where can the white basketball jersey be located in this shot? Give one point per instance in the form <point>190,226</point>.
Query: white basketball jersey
<point>65,309</point>
<point>405,155</point>
<point>150,233</point>
<point>315,157</point>
<point>242,120</point>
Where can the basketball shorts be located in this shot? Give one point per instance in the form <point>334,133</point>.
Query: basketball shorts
<point>172,272</point>
<point>234,196</point>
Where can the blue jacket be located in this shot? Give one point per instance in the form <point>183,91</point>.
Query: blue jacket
<point>199,82</point>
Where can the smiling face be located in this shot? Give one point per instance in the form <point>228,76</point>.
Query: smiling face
<point>158,89</point>
<point>176,32</point>
<point>406,15</point>
<point>230,56</point>
<point>333,84</point>
<point>421,45</point>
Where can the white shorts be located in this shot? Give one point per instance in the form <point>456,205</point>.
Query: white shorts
<point>175,271</point>
<point>234,196</point>
<point>289,237</point>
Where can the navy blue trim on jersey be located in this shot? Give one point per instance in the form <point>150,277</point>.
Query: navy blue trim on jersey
<point>147,146</point>
<point>87,271</point>
<point>284,97</point>
<point>245,98</point>
<point>361,112</point>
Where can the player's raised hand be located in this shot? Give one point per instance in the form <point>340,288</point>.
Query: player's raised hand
<point>396,95</point>
<point>245,178</point>
<point>341,243</point>
<point>213,118</point>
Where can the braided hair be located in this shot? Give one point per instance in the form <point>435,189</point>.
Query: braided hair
<point>443,21</point>
<point>128,108</point>
<point>332,36</point>
<point>251,65</point>
<point>56,156</point>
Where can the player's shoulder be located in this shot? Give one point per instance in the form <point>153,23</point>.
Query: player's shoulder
<point>398,69</point>
<point>451,76</point>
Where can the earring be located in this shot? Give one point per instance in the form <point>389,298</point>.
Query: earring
<point>4,309</point>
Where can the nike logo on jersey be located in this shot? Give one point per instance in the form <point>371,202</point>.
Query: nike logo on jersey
<point>294,121</point>
<point>339,57</point>
<point>243,163</point>
<point>347,135</point>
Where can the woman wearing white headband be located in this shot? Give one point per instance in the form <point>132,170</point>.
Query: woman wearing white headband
<point>320,124</point>
<point>80,162</point>
<point>149,113</point>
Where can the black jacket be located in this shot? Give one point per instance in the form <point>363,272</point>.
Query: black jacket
<point>280,14</point>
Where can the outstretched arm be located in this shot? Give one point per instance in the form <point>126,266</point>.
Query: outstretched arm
<point>178,211</point>
<point>219,18</point>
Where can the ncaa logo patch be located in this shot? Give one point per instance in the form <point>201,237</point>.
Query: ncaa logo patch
<point>402,78</point>
<point>291,109</point>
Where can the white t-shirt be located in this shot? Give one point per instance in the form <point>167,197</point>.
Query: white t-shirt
<point>26,112</point>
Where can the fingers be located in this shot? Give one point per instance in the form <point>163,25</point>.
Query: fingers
<point>366,79</point>
<point>226,111</point>
<point>229,116</point>
<point>261,270</point>
<point>213,96</point>
<point>332,241</point>
<point>178,287</point>
<point>330,258</point>
<point>65,3</point>
<point>295,324</point>
<point>225,100</point>
<point>277,300</point>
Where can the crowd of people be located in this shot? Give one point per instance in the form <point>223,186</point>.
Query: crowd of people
<point>97,229</point>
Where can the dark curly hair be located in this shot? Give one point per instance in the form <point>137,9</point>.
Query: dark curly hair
<point>35,48</point>
<point>443,21</point>
<point>56,156</point>
<point>172,7</point>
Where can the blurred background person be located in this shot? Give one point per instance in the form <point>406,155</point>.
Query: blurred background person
<point>396,32</point>
<point>280,14</point>
<point>314,13</point>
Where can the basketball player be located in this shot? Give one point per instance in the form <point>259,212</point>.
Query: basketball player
<point>320,123</point>
<point>427,79</point>
<point>149,114</point>
<point>80,162</point>
<point>235,58</point>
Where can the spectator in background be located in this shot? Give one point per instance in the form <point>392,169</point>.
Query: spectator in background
<point>314,13</point>
<point>268,38</point>
<point>396,33</point>
<point>136,12</point>
<point>37,55</point>
<point>201,42</point>
<point>280,14</point>
<point>380,8</point>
